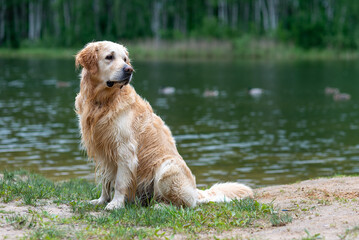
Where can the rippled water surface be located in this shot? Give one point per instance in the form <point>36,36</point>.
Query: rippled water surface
<point>292,132</point>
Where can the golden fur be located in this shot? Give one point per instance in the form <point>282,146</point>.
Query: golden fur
<point>134,151</point>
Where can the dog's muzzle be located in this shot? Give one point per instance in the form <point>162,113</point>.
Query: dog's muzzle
<point>125,78</point>
<point>122,82</point>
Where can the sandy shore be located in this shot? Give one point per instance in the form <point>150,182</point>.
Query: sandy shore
<point>321,209</point>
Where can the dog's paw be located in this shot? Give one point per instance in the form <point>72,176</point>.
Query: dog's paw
<point>114,205</point>
<point>99,201</point>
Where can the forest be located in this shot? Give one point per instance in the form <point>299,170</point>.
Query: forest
<point>67,23</point>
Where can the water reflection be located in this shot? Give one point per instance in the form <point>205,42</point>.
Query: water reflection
<point>292,131</point>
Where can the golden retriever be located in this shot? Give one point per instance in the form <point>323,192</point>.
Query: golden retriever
<point>133,150</point>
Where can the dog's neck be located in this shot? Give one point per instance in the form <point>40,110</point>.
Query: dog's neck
<point>96,92</point>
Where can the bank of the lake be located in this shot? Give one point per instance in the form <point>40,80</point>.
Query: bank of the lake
<point>243,48</point>
<point>33,207</point>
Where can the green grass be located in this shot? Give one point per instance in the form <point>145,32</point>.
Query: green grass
<point>38,52</point>
<point>88,221</point>
<point>311,237</point>
<point>48,233</point>
<point>31,187</point>
<point>243,48</point>
<point>352,233</point>
<point>19,221</point>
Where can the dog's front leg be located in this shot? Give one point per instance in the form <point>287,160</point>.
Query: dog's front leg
<point>123,180</point>
<point>105,194</point>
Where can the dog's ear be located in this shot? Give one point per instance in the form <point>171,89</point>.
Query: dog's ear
<point>88,58</point>
<point>126,51</point>
<point>128,55</point>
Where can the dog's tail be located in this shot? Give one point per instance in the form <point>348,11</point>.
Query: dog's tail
<point>224,192</point>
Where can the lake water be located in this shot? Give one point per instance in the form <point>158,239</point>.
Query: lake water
<point>292,132</point>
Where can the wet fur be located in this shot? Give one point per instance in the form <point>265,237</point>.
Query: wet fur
<point>133,150</point>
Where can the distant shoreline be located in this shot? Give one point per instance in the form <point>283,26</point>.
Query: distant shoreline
<point>241,49</point>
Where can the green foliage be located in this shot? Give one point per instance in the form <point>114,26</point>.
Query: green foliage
<point>64,23</point>
<point>309,35</point>
<point>212,28</point>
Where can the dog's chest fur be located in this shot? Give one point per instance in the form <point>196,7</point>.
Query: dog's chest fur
<point>107,135</point>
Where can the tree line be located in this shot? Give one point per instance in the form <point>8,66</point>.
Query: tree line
<point>66,23</point>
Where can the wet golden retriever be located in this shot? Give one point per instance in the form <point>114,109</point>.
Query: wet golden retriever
<point>133,150</point>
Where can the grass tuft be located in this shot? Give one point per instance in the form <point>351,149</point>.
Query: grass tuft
<point>311,237</point>
<point>280,220</point>
<point>48,233</point>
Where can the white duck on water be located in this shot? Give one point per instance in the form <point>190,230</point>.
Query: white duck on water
<point>255,92</point>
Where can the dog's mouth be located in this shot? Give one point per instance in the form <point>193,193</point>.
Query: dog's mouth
<point>123,82</point>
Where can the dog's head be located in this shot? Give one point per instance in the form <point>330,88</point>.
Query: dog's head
<point>107,63</point>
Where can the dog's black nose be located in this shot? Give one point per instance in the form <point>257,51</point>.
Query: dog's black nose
<point>127,70</point>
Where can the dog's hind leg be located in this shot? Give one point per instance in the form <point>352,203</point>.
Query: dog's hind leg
<point>175,183</point>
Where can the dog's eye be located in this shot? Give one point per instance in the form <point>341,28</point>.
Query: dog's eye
<point>125,59</point>
<point>109,57</point>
